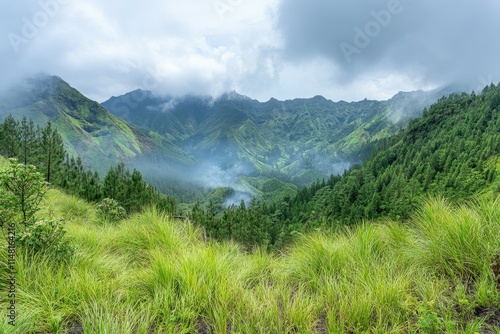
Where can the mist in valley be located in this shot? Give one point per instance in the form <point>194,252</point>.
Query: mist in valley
<point>193,182</point>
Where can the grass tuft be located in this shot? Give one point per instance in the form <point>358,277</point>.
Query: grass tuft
<point>151,274</point>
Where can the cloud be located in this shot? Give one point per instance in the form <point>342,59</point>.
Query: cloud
<point>261,48</point>
<point>429,41</point>
<point>109,48</point>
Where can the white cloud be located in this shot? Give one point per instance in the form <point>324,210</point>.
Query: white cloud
<point>261,48</point>
<point>107,48</point>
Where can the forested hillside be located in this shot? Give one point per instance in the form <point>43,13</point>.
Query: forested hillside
<point>43,148</point>
<point>294,141</point>
<point>86,128</point>
<point>452,151</point>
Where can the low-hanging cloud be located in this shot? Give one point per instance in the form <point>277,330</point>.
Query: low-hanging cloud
<point>342,49</point>
<point>432,41</point>
<point>112,47</point>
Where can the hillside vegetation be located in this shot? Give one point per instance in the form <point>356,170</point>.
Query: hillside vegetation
<point>172,139</point>
<point>296,141</point>
<point>43,148</point>
<point>87,129</point>
<point>152,274</point>
<point>453,150</point>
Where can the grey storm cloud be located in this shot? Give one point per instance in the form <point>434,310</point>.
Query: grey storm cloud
<point>439,41</point>
<point>341,49</point>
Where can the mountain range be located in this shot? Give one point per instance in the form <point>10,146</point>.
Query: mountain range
<point>295,141</point>
<point>190,143</point>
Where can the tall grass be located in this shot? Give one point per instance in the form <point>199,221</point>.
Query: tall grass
<point>455,242</point>
<point>150,274</point>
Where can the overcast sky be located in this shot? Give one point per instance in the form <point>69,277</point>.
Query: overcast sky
<point>341,49</point>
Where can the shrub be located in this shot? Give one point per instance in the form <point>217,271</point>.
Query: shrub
<point>25,188</point>
<point>110,210</point>
<point>7,203</point>
<point>46,237</point>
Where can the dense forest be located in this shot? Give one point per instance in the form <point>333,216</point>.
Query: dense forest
<point>84,267</point>
<point>244,144</point>
<point>452,151</point>
<point>43,147</point>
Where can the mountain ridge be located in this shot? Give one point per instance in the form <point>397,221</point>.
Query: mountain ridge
<point>87,128</point>
<point>180,138</point>
<point>271,135</point>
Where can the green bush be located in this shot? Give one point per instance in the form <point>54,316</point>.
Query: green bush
<point>23,188</point>
<point>110,210</point>
<point>429,322</point>
<point>46,237</point>
<point>7,203</point>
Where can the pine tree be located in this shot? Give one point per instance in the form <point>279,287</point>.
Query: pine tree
<point>9,138</point>
<point>51,152</point>
<point>111,184</point>
<point>28,140</point>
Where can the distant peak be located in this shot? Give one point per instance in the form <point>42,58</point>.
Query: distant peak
<point>401,95</point>
<point>233,95</point>
<point>43,82</point>
<point>37,86</point>
<point>141,94</point>
<point>319,97</point>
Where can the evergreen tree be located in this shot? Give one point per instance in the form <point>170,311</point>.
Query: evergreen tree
<point>51,153</point>
<point>28,142</point>
<point>9,138</point>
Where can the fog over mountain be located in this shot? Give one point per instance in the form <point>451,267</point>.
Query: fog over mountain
<point>189,145</point>
<point>343,50</point>
<point>238,142</point>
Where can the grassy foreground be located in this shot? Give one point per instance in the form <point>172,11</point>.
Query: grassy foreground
<point>150,274</point>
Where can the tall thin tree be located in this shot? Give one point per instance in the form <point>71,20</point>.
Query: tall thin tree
<point>51,152</point>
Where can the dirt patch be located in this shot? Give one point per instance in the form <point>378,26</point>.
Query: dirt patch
<point>495,267</point>
<point>202,327</point>
<point>229,327</point>
<point>74,327</point>
<point>492,317</point>
<point>321,326</point>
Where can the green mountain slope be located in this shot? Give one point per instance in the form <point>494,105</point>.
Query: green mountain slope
<point>277,136</point>
<point>296,141</point>
<point>88,129</point>
<point>179,141</point>
<point>453,151</point>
